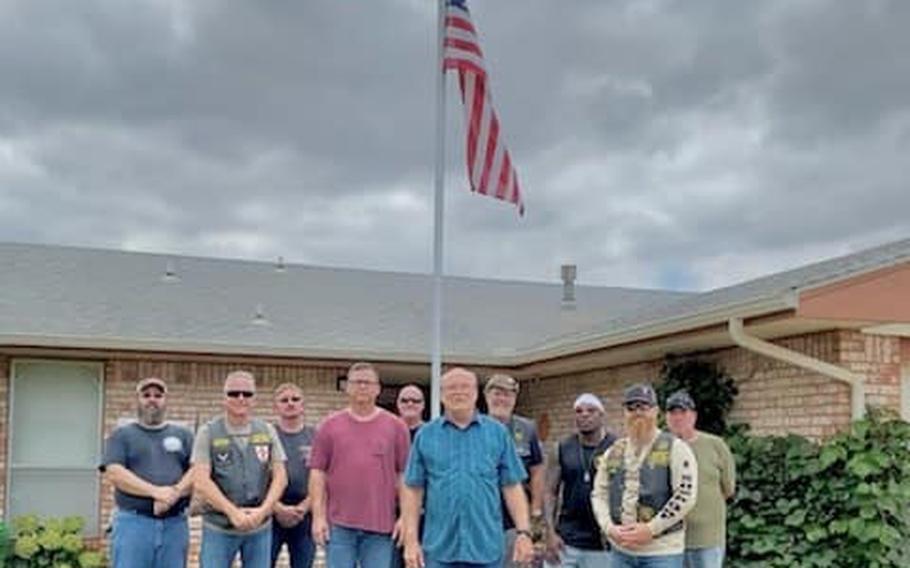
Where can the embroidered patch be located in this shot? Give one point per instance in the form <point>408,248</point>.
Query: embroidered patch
<point>263,452</point>
<point>221,442</point>
<point>260,438</point>
<point>172,444</point>
<point>659,458</point>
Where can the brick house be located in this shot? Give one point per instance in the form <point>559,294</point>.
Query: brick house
<point>78,327</point>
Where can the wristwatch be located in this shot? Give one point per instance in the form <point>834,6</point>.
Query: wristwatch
<point>523,532</point>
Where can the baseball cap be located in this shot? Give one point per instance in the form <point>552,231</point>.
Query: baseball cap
<point>680,400</point>
<point>639,393</point>
<point>500,381</point>
<point>151,382</point>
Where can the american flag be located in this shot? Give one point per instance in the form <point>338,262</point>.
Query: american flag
<point>490,167</point>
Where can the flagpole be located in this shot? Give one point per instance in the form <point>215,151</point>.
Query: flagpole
<point>438,203</point>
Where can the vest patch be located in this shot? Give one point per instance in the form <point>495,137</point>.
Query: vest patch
<point>260,438</point>
<point>221,442</point>
<point>263,452</point>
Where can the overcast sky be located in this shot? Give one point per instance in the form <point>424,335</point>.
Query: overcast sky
<point>681,144</point>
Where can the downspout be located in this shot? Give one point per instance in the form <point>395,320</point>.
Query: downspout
<point>762,347</point>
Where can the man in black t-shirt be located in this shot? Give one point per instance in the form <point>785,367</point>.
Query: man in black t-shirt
<point>575,540</point>
<point>292,512</point>
<point>148,462</point>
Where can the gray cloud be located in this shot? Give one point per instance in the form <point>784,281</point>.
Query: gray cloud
<point>659,143</point>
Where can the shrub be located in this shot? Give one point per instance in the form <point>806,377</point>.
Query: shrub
<point>842,503</point>
<point>51,542</point>
<point>4,543</point>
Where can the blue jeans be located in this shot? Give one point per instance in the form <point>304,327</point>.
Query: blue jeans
<point>428,563</point>
<point>138,541</point>
<point>299,539</point>
<point>705,557</point>
<point>572,557</point>
<point>622,560</point>
<point>219,548</point>
<point>348,547</point>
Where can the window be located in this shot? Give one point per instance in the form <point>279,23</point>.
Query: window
<point>55,439</point>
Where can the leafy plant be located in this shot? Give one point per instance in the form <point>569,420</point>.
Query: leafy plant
<point>4,543</point>
<point>711,388</point>
<point>54,542</point>
<point>843,503</point>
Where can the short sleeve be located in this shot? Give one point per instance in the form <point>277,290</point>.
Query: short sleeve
<point>415,472</point>
<point>278,453</point>
<point>321,452</point>
<point>511,470</point>
<point>114,449</point>
<point>201,452</point>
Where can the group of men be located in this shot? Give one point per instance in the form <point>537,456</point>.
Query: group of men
<point>466,490</point>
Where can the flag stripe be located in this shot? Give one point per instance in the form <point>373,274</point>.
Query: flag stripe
<point>489,164</point>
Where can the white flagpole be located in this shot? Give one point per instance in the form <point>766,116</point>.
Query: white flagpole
<point>438,203</point>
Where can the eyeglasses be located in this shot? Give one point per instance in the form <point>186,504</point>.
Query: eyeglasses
<point>410,400</point>
<point>362,383</point>
<point>238,394</point>
<point>288,399</point>
<point>638,406</point>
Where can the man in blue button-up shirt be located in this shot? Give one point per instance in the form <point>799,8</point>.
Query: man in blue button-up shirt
<point>460,462</point>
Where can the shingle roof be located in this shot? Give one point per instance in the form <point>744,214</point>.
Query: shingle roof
<point>113,295</point>
<point>106,296</point>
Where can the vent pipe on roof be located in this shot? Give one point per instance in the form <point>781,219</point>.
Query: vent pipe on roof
<point>170,272</point>
<point>280,266</point>
<point>568,272</point>
<point>259,316</point>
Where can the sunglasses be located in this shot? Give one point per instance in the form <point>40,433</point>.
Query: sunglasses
<point>636,406</point>
<point>288,399</point>
<point>410,400</point>
<point>238,394</point>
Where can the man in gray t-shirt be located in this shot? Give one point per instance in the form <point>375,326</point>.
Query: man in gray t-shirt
<point>147,462</point>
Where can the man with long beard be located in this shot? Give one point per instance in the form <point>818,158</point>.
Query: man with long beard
<point>147,462</point>
<point>645,485</point>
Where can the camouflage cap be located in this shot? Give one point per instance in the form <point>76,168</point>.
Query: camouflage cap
<point>501,381</point>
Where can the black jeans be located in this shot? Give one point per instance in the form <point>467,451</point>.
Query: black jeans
<point>300,543</point>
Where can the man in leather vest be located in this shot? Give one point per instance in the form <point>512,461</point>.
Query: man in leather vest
<point>240,474</point>
<point>645,485</point>
<point>575,540</point>
<point>501,394</point>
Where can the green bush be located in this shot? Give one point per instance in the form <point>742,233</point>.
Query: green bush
<point>56,543</point>
<point>711,388</point>
<point>842,503</point>
<point>4,543</point>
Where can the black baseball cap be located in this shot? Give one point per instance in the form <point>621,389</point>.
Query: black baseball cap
<point>639,393</point>
<point>680,400</point>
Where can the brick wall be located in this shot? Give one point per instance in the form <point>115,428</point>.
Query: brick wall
<point>774,397</point>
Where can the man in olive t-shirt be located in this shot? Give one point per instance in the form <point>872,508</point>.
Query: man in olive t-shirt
<point>706,524</point>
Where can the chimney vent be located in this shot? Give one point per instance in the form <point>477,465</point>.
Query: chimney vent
<point>569,271</point>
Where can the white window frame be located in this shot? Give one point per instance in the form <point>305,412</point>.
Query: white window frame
<point>11,398</point>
